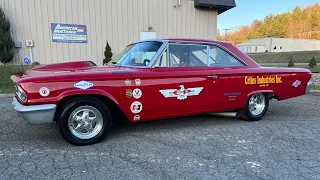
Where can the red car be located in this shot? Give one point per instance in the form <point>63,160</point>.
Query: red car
<point>152,80</point>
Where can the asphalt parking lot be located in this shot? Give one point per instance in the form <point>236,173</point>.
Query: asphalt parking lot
<point>284,145</point>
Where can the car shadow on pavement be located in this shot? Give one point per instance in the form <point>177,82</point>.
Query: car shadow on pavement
<point>174,124</point>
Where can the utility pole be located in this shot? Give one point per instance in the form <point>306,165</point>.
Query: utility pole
<point>225,34</point>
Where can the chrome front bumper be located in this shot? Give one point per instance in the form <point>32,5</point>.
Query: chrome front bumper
<point>36,114</point>
<point>308,87</point>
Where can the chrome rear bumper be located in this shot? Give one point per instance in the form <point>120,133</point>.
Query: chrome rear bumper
<point>36,114</point>
<point>308,87</point>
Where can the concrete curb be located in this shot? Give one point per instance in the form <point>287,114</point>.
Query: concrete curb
<point>315,91</point>
<point>6,95</point>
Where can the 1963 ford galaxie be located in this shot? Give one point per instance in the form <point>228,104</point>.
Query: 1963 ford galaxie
<point>151,80</point>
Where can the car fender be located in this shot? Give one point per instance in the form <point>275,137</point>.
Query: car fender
<point>260,91</point>
<point>87,92</point>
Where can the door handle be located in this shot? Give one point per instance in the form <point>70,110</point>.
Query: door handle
<point>213,77</point>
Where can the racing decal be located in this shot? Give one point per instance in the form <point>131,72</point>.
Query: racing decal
<point>296,83</point>
<point>136,107</point>
<point>181,93</point>
<point>262,80</point>
<point>232,95</point>
<point>136,118</point>
<point>83,85</point>
<point>121,73</point>
<point>127,82</point>
<point>129,93</point>
<point>44,91</point>
<point>138,82</point>
<point>137,93</point>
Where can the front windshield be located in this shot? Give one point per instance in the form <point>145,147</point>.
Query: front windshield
<point>139,54</point>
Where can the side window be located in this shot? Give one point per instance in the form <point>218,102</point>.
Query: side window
<point>202,55</point>
<point>219,57</point>
<point>162,60</point>
<point>183,55</point>
<point>175,61</point>
<point>187,55</point>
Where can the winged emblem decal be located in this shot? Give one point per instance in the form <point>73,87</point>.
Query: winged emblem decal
<point>181,93</point>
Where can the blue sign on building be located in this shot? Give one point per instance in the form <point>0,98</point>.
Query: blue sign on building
<point>70,33</point>
<point>26,60</point>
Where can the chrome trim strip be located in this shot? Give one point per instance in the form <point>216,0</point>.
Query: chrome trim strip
<point>208,56</point>
<point>308,87</point>
<point>158,54</point>
<point>168,55</point>
<point>226,114</point>
<point>36,114</point>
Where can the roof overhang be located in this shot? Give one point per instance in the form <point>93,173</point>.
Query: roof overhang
<point>220,5</point>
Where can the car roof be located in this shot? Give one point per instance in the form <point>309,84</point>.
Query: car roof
<point>227,45</point>
<point>194,40</point>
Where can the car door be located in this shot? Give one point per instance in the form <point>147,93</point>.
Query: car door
<point>225,79</point>
<point>175,86</point>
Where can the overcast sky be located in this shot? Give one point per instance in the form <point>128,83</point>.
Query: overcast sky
<point>249,10</point>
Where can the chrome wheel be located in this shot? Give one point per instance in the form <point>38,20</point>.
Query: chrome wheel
<point>257,104</point>
<point>85,122</point>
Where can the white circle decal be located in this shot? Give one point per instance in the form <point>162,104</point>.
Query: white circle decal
<point>136,107</point>
<point>44,91</point>
<point>136,118</point>
<point>137,93</point>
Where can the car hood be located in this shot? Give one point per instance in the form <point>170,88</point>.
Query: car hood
<point>72,70</point>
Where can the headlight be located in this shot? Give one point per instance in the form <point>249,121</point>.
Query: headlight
<point>21,94</point>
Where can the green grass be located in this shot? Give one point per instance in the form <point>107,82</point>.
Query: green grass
<point>284,57</point>
<point>315,87</point>
<point>316,69</point>
<point>6,84</point>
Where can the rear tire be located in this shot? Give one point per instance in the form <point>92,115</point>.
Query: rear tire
<point>84,120</point>
<point>255,108</point>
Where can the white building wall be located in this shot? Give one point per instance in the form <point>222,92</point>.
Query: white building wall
<point>118,21</point>
<point>279,45</point>
<point>252,48</point>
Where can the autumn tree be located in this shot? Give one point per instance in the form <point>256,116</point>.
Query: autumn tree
<point>299,23</point>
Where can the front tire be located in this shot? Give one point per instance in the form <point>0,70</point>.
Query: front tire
<point>84,121</point>
<point>255,108</point>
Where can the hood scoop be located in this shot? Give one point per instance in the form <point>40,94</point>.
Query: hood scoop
<point>67,66</point>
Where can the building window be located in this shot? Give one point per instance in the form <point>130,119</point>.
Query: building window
<point>256,49</point>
